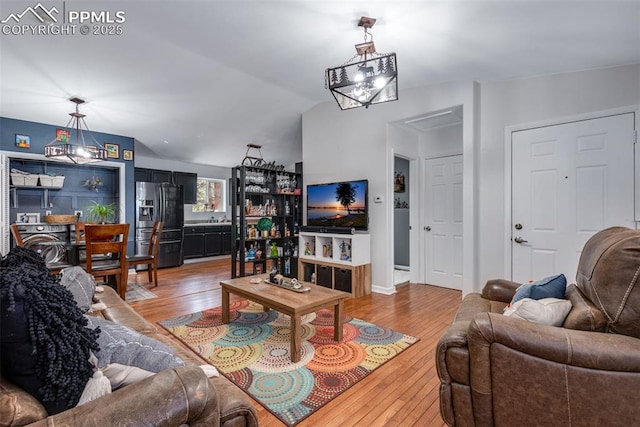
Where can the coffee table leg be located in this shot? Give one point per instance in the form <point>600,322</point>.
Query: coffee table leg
<point>295,338</point>
<point>337,321</point>
<point>225,305</point>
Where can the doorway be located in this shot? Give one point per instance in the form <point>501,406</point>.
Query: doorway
<point>401,224</point>
<point>568,181</point>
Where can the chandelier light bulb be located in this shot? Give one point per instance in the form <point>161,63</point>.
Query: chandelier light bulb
<point>358,77</point>
<point>380,82</point>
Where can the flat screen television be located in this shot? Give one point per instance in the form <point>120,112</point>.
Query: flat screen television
<point>338,204</point>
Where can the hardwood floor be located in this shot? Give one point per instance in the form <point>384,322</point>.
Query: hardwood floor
<point>403,392</point>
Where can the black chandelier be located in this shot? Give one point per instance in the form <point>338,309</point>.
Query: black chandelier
<point>80,151</point>
<point>373,79</point>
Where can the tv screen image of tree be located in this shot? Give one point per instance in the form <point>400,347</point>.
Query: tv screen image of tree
<point>339,204</point>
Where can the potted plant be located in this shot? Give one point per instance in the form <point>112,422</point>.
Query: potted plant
<point>102,213</point>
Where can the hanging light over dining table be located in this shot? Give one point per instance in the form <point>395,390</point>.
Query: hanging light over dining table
<point>70,142</point>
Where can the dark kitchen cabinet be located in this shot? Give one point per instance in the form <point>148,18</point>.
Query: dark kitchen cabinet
<point>217,240</point>
<point>203,241</point>
<point>193,244</point>
<point>152,175</point>
<point>189,182</point>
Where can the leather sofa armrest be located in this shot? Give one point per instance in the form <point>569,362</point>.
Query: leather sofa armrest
<point>173,397</point>
<point>513,360</point>
<point>500,290</point>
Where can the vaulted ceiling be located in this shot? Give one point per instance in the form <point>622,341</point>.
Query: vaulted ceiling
<point>198,80</point>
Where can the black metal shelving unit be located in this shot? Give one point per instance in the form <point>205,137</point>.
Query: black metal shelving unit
<point>254,192</point>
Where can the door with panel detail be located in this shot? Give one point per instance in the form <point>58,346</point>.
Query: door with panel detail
<point>568,182</point>
<point>443,222</point>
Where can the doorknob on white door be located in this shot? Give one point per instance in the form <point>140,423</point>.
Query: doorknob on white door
<point>519,239</point>
<point>427,228</point>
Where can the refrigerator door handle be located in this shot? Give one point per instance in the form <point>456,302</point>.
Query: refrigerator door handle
<point>160,203</point>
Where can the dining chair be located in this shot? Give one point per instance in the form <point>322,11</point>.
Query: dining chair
<point>108,239</point>
<point>80,227</point>
<point>16,235</point>
<point>151,257</point>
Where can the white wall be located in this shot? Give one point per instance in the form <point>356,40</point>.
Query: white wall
<point>203,171</point>
<point>441,142</point>
<point>355,144</point>
<point>523,102</point>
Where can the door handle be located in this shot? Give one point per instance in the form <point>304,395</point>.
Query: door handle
<point>519,239</point>
<point>427,228</point>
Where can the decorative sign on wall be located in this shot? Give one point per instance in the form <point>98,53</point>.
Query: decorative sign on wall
<point>127,154</point>
<point>23,141</point>
<point>62,135</point>
<point>113,151</point>
<point>398,182</point>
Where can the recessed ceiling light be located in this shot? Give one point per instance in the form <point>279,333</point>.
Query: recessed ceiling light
<point>165,141</point>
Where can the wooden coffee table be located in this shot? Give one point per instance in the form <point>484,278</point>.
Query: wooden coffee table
<point>293,304</point>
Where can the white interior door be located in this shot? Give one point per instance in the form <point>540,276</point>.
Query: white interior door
<point>568,182</point>
<point>443,222</point>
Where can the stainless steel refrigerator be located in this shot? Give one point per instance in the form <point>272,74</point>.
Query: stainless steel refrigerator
<point>160,202</point>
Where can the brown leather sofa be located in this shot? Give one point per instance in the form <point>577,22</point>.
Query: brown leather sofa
<point>174,397</point>
<point>498,370</point>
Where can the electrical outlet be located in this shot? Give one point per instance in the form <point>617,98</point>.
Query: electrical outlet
<point>47,212</point>
<point>78,214</point>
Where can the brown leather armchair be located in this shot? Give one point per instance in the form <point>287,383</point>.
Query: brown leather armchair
<point>498,370</point>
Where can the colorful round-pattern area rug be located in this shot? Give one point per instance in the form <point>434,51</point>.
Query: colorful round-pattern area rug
<point>253,352</point>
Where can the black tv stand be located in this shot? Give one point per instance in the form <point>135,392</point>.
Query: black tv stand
<point>333,230</point>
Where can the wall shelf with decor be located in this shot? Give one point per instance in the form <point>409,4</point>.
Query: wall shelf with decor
<point>266,215</point>
<point>337,261</point>
<point>60,187</point>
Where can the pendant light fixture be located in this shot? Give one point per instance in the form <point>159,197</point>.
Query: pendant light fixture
<point>78,151</point>
<point>373,79</point>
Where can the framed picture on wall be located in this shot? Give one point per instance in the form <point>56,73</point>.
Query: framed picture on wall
<point>28,217</point>
<point>113,151</point>
<point>62,135</point>
<point>127,154</point>
<point>23,141</point>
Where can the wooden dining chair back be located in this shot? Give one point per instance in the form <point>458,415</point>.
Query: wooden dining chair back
<point>151,257</point>
<point>80,227</point>
<point>108,239</point>
<point>16,235</point>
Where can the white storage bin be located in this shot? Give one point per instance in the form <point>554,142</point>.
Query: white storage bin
<point>24,180</point>
<point>51,181</point>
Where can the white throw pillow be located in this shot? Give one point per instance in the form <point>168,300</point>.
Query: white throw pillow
<point>548,311</point>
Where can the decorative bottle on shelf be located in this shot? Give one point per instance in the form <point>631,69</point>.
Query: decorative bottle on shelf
<point>258,253</point>
<point>273,252</point>
<point>253,234</point>
<point>251,253</point>
<point>287,267</point>
<point>267,208</point>
<point>287,208</point>
<point>273,230</point>
<point>274,208</point>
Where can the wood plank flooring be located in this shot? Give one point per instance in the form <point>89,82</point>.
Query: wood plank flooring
<point>403,392</point>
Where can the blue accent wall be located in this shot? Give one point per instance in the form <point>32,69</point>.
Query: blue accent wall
<point>73,195</point>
